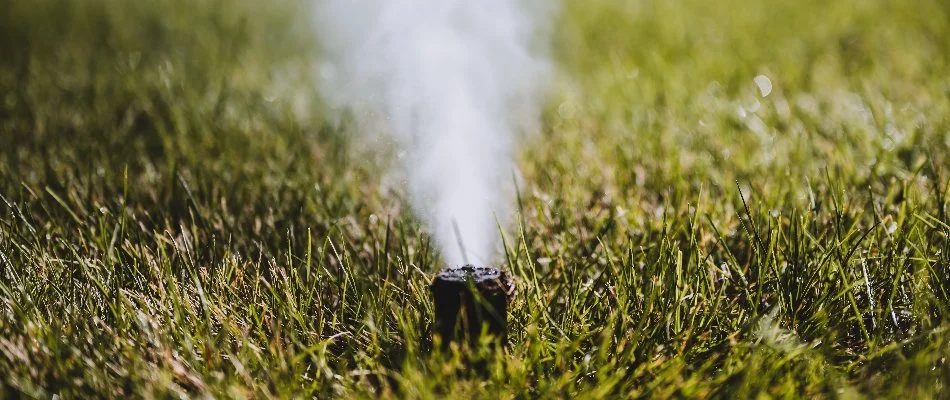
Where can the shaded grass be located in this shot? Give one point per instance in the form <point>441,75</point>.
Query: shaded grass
<point>180,218</point>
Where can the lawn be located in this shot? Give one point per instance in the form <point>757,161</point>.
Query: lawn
<point>726,199</point>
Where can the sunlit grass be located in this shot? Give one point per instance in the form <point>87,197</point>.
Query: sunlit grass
<point>178,217</point>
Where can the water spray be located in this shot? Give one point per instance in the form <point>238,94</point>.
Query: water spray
<point>451,84</point>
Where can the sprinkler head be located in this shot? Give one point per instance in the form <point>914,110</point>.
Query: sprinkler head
<point>471,300</point>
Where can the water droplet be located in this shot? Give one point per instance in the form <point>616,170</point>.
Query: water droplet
<point>566,110</point>
<point>741,112</point>
<point>764,84</point>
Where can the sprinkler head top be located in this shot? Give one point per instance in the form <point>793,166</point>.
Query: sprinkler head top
<point>468,298</point>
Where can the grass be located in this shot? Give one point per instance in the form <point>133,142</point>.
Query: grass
<point>180,219</point>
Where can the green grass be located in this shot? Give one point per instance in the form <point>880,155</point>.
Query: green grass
<point>179,217</point>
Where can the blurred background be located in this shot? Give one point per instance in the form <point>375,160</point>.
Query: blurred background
<point>676,89</point>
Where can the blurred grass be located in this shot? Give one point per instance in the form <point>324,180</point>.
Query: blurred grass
<point>179,218</point>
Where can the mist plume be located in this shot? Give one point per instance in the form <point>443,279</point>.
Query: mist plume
<point>454,84</point>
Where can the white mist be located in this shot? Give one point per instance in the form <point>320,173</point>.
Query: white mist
<point>453,83</point>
